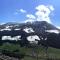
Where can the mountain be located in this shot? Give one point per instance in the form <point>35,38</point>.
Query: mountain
<point>38,27</point>
<point>37,24</point>
<point>37,32</point>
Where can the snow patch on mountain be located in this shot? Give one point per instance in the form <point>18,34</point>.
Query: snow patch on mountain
<point>53,31</point>
<point>28,30</point>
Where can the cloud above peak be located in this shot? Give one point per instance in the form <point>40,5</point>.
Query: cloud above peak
<point>22,10</point>
<point>42,13</point>
<point>30,16</point>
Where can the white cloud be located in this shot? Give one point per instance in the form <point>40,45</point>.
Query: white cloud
<point>18,11</point>
<point>30,16</point>
<point>51,7</point>
<point>29,20</point>
<point>22,10</point>
<point>43,13</point>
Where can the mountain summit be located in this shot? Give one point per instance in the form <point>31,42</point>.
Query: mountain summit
<point>38,32</point>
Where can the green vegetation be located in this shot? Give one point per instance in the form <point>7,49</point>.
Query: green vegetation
<point>27,53</point>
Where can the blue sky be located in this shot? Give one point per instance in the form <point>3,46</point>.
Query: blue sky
<point>21,10</point>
